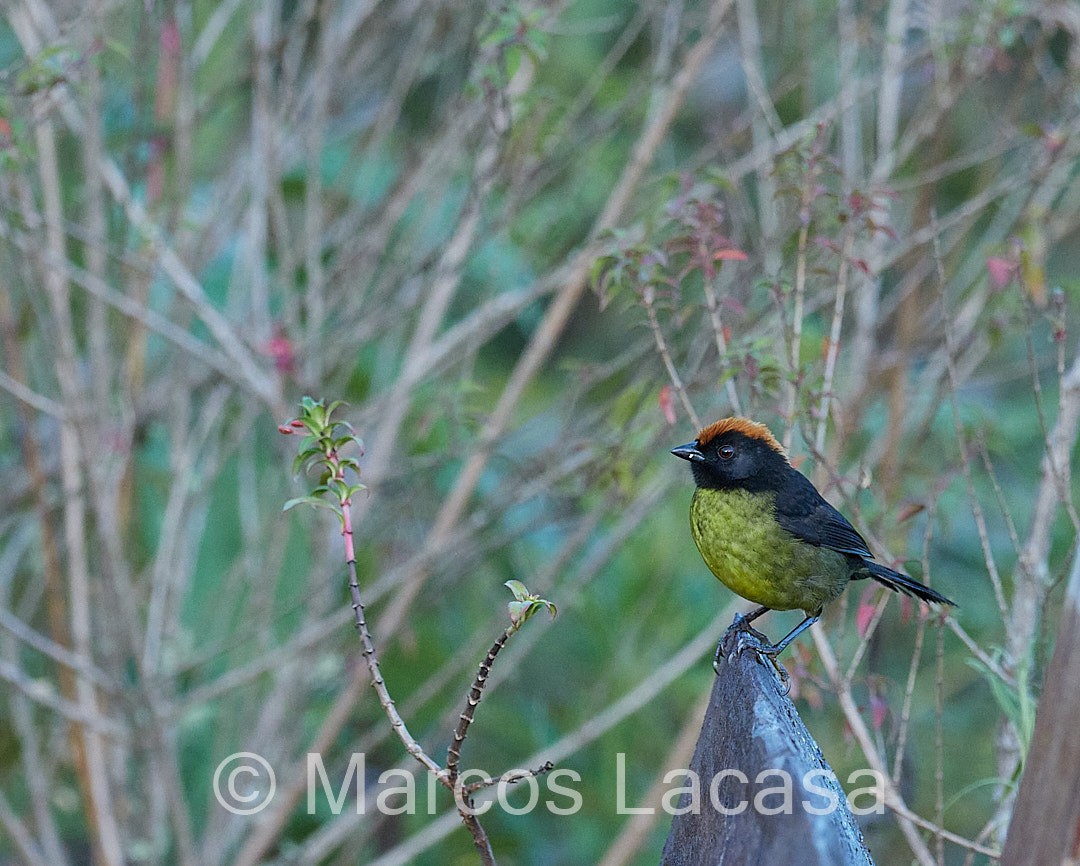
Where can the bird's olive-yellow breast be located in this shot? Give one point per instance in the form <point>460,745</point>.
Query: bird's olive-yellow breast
<point>744,546</point>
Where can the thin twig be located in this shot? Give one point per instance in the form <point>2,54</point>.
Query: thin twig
<point>133,308</point>
<point>372,659</point>
<point>865,639</point>
<point>453,753</point>
<point>40,782</point>
<point>765,125</point>
<point>476,692</point>
<point>315,294</point>
<point>909,692</point>
<point>916,653</point>
<point>648,298</point>
<point>939,744</point>
<point>713,305</point>
<point>510,777</point>
<point>893,799</point>
<point>888,113</point>
<point>21,836</point>
<point>30,397</point>
<point>794,356</point>
<point>72,711</point>
<point>902,810</point>
<point>961,439</point>
<point>1058,470</point>
<point>92,765</point>
<point>980,654</point>
<point>58,653</point>
<point>834,334</point>
<point>999,494</point>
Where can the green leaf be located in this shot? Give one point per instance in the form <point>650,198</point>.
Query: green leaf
<point>340,489</point>
<point>525,603</point>
<point>519,611</point>
<point>520,591</point>
<point>118,47</point>
<point>313,501</point>
<point>340,442</point>
<point>301,459</point>
<point>1017,704</point>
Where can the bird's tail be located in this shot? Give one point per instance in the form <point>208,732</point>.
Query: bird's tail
<point>898,582</point>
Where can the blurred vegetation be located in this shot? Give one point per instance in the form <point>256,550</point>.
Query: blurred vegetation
<point>211,209</point>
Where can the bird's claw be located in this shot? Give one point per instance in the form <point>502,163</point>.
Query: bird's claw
<point>770,653</point>
<point>739,638</point>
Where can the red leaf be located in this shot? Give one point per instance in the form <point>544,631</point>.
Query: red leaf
<point>170,37</point>
<point>1002,272</point>
<point>730,255</point>
<point>910,510</point>
<point>735,306</point>
<point>667,405</point>
<point>879,708</point>
<point>865,613</point>
<point>1053,141</point>
<point>281,349</point>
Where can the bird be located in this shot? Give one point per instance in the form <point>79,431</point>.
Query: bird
<point>766,532</point>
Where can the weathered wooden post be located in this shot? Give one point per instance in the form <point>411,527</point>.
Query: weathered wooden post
<point>1045,826</point>
<point>751,737</point>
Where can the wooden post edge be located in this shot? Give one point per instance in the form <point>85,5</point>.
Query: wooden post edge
<point>752,741</point>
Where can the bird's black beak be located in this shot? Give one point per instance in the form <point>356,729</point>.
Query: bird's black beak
<point>689,452</point>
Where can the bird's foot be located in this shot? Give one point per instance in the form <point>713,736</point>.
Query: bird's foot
<point>739,638</point>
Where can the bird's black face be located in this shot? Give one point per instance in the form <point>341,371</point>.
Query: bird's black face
<point>734,460</point>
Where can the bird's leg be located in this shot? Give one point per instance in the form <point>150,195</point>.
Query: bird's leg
<point>739,621</point>
<point>778,647</point>
<point>751,616</point>
<point>770,651</point>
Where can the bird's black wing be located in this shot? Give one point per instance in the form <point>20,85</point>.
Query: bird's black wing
<point>803,512</point>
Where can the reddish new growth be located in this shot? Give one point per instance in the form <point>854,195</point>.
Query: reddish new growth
<point>748,428</point>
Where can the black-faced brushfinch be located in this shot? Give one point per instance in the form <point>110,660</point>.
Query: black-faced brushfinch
<point>764,530</point>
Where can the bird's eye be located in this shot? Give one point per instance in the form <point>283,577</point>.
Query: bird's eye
<point>726,452</point>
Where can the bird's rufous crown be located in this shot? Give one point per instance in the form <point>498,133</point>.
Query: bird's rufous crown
<point>749,429</point>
